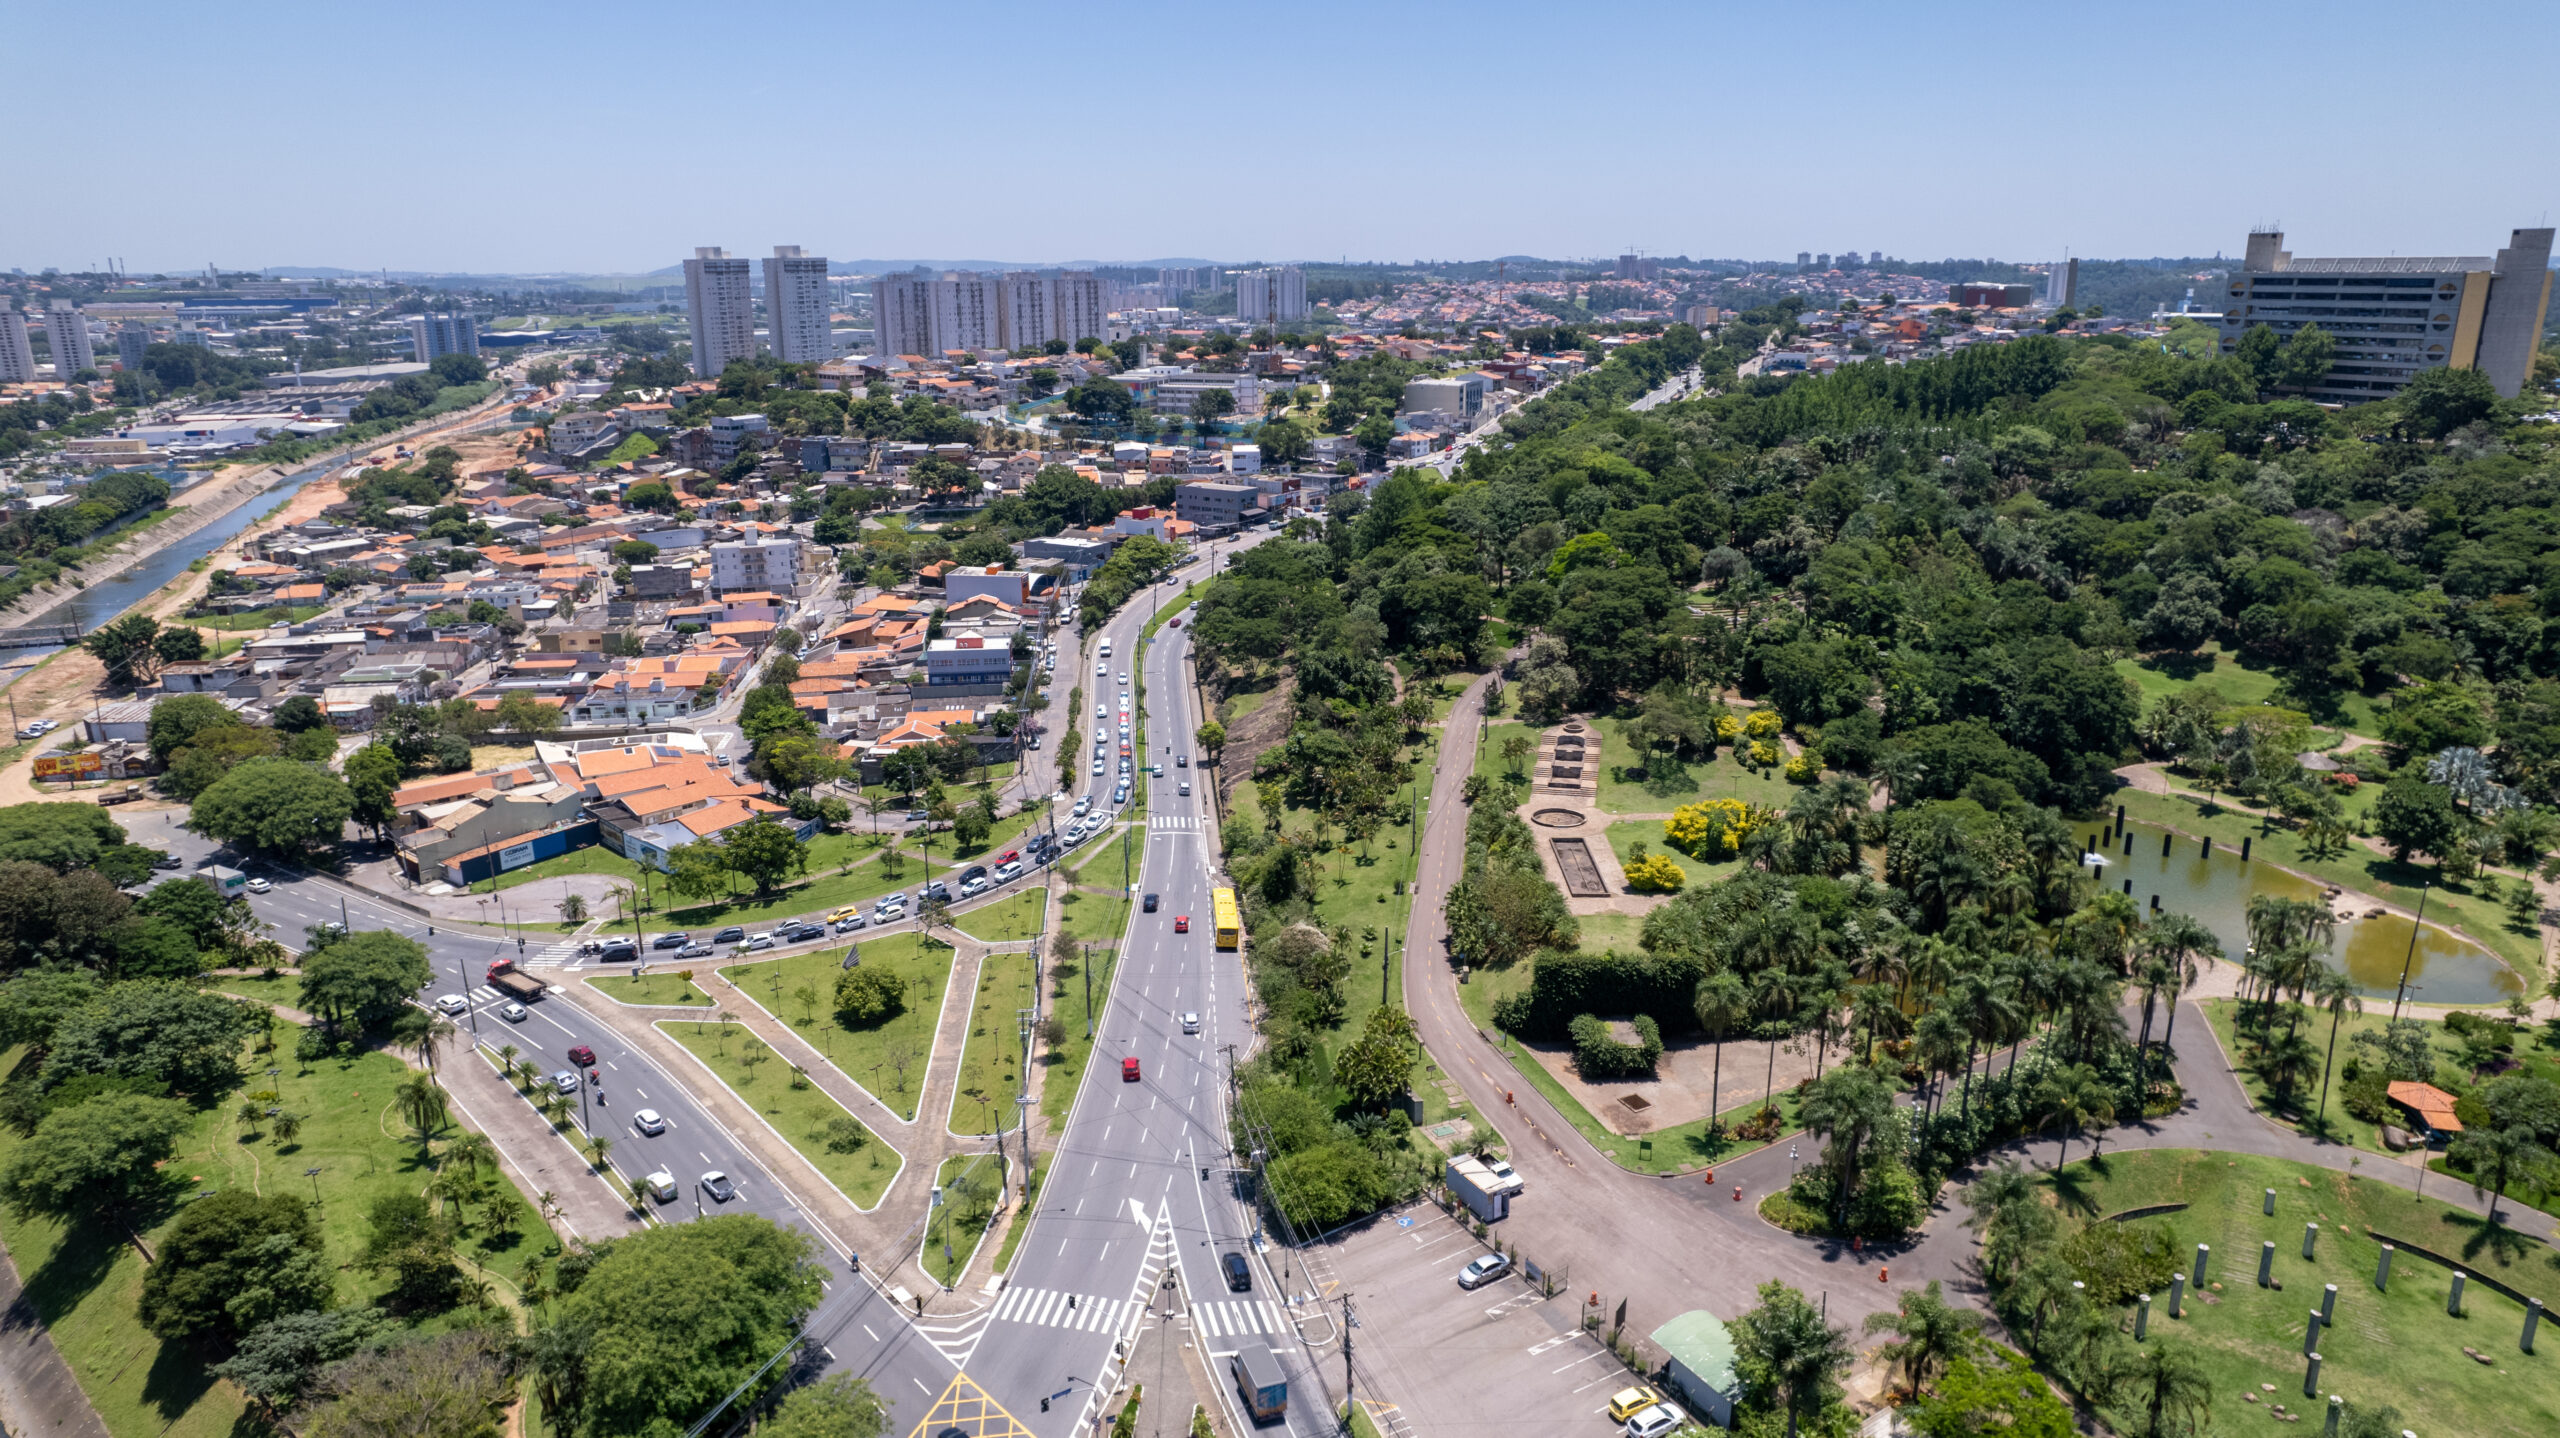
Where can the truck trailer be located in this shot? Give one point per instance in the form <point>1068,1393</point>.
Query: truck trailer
<point>1259,1382</point>
<point>515,983</point>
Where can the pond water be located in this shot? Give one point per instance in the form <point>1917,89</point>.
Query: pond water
<point>2216,890</point>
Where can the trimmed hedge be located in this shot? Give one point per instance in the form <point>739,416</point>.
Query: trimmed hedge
<point>1565,985</point>
<point>1597,1054</point>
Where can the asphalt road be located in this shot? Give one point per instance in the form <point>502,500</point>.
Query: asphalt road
<point>1143,1195</point>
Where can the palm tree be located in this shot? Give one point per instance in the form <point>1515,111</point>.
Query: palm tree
<point>1943,1043</point>
<point>286,1126</point>
<point>250,1113</point>
<point>1928,1333</point>
<point>1988,1008</point>
<point>2189,947</point>
<point>2008,1207</point>
<point>1799,1351</point>
<point>2331,989</point>
<point>421,1105</point>
<point>1843,1110</point>
<point>2072,1097</point>
<point>2495,1156</point>
<point>436,1031</point>
<point>1721,1004</point>
<point>573,909</point>
<point>471,1153</point>
<point>2165,1382</point>
<point>597,1147</point>
<point>2284,1058</point>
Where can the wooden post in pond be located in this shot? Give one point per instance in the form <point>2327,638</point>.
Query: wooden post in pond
<point>2165,841</point>
<point>2244,848</point>
<point>2128,846</point>
<point>2208,846</point>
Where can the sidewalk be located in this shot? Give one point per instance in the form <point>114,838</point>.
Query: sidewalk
<point>544,1159</point>
<point>38,1396</point>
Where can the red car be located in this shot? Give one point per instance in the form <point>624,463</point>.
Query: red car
<point>1182,923</point>
<point>1176,624</point>
<point>1129,1070</point>
<point>583,1056</point>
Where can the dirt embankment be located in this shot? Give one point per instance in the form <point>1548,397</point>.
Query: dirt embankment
<point>1251,732</point>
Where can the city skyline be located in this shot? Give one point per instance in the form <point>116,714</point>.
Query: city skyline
<point>1912,142</point>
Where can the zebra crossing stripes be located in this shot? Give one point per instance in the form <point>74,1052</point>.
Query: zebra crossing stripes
<point>1173,821</point>
<point>1223,1319</point>
<point>1055,1308</point>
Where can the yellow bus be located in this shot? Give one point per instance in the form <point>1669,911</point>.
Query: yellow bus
<point>1230,925</point>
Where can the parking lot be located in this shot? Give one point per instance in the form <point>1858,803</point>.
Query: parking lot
<point>1454,1362</point>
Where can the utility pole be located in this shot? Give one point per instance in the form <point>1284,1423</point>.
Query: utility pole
<point>1348,1401</point>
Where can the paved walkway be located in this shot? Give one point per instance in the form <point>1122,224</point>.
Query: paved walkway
<point>39,1398</point>
<point>546,1160</point>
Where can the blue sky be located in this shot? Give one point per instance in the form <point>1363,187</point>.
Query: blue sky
<point>591,137</point>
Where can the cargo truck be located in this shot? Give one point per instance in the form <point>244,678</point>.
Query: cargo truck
<point>1259,1382</point>
<point>515,983</point>
<point>1471,1183</point>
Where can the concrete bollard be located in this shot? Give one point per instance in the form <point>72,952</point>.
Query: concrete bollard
<point>2337,1406</point>
<point>2453,1299</point>
<point>2142,1318</point>
<point>2203,1251</point>
<point>2119,816</point>
<point>2329,1303</point>
<point>2382,1270</point>
<point>2310,1240</point>
<point>2311,1334</point>
<point>2177,1295</point>
<point>2267,1263</point>
<point>2128,846</point>
<point>2207,851</point>
<point>2532,1321</point>
<point>2267,1205</point>
<point>2311,1375</point>
<point>2128,888</point>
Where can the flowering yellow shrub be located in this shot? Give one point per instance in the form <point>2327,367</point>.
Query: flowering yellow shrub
<point>1763,724</point>
<point>1655,874</point>
<point>1804,768</point>
<point>1711,829</point>
<point>1764,753</point>
<point>1726,727</point>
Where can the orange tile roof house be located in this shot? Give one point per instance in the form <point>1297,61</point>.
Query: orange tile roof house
<point>2432,1105</point>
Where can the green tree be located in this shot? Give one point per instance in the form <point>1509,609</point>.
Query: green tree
<point>124,646</point>
<point>1788,1358</point>
<point>1100,399</point>
<point>372,777</point>
<point>177,721</point>
<point>234,1260</point>
<point>1847,1108</point>
<point>2439,401</point>
<point>1377,1068</point>
<point>275,806</point>
<point>447,1385</point>
<point>1210,406</point>
<point>1982,1398</point>
<point>665,1324</point>
<point>2414,816</point>
<point>1928,1334</point>
<point>300,712</point>
<point>869,995</point>
<point>101,1156</point>
<point>407,1240</point>
<point>1212,738</point>
<point>2164,1382</point>
<point>158,1029</point>
<point>63,837</point>
<point>277,1361</point>
<point>837,1406</point>
<point>764,852</point>
<point>364,978</point>
<point>177,644</point>
<point>698,870</point>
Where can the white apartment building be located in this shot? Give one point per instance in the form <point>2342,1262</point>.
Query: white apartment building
<point>797,308</point>
<point>1264,296</point>
<point>69,331</point>
<point>1045,305</point>
<point>17,356</point>
<point>729,434</point>
<point>750,564</point>
<point>922,314</point>
<point>435,335</point>
<point>719,307</point>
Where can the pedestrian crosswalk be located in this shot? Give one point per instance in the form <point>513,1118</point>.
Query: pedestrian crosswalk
<point>1223,1318</point>
<point>1174,821</point>
<point>1056,1308</point>
<point>562,952</point>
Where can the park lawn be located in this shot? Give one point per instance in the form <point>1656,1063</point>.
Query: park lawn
<point>1020,1223</point>
<point>593,859</point>
<point>256,618</point>
<point>1604,932</point>
<point>2340,1126</point>
<point>869,1056</point>
<point>991,1057</point>
<point>1112,865</point>
<point>1720,777</point>
<point>803,1116</point>
<point>1624,835</point>
<point>665,990</point>
<point>2395,1346</point>
<point>2162,676</point>
<point>1093,918</point>
<point>2458,907</point>
<point>1359,889</point>
<point>284,989</point>
<point>84,1286</point>
<point>1014,917</point>
<point>1062,1064</point>
<point>1492,767</point>
<point>958,1224</point>
<point>810,898</point>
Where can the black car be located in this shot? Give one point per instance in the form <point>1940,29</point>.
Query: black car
<point>1239,1274</point>
<point>1151,903</point>
<point>167,861</point>
<point>802,933</point>
<point>730,935</point>
<point>621,953</point>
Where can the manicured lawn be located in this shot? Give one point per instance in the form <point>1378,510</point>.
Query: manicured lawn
<point>2483,921</point>
<point>665,990</point>
<point>1604,932</point>
<point>871,1057</point>
<point>593,859</point>
<point>284,989</point>
<point>1093,918</point>
<point>2395,1346</point>
<point>1722,777</point>
<point>1020,1223</point>
<point>805,1117</point>
<point>1627,833</point>
<point>84,1282</point>
<point>1015,916</point>
<point>2160,677</point>
<point>951,1237</point>
<point>991,1057</point>
<point>1113,863</point>
<point>1062,1064</point>
<point>1492,766</point>
<point>256,618</point>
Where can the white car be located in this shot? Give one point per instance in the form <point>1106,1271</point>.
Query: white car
<point>1084,804</point>
<point>1655,1421</point>
<point>512,1012</point>
<point>647,1121</point>
<point>454,1004</point>
<point>1191,1023</point>
<point>1008,871</point>
<point>1124,677</point>
<point>259,886</point>
<point>1102,671</point>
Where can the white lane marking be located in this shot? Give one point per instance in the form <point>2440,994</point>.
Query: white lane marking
<point>874,1336</point>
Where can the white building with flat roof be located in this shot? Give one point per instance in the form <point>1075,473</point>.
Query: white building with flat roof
<point>68,329</point>
<point>719,309</point>
<point>751,564</point>
<point>1264,296</point>
<point>17,355</point>
<point>2395,316</point>
<point>797,308</point>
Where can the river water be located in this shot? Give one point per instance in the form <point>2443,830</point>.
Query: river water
<point>2215,889</point>
<point>104,599</point>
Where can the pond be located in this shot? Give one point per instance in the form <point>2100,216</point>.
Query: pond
<point>2215,889</point>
